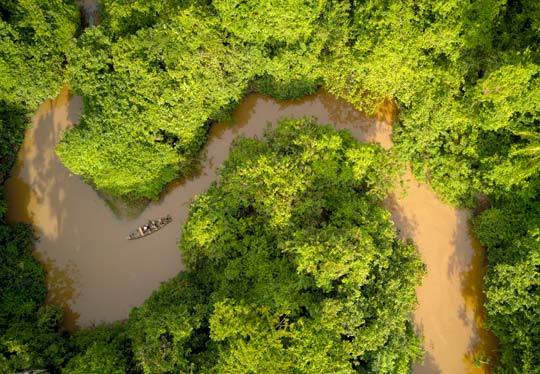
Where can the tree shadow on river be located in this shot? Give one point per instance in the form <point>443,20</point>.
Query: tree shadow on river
<point>38,180</point>
<point>62,288</point>
<point>428,365</point>
<point>405,226</point>
<point>471,269</point>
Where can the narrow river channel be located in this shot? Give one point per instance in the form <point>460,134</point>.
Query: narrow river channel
<point>98,276</point>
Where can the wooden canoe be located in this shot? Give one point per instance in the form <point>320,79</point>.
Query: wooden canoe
<point>150,227</point>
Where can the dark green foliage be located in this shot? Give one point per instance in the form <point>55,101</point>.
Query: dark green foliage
<point>13,121</point>
<point>168,331</point>
<point>285,89</point>
<point>30,334</point>
<point>104,349</point>
<point>34,34</point>
<point>19,275</point>
<point>35,342</point>
<point>511,232</point>
<point>293,266</point>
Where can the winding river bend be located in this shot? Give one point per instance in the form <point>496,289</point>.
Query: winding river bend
<point>98,276</point>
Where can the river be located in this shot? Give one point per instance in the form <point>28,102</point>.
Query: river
<point>98,276</point>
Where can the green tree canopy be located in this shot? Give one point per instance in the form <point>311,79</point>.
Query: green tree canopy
<point>293,265</point>
<point>154,75</point>
<point>34,36</point>
<point>104,349</point>
<point>148,99</point>
<point>511,232</point>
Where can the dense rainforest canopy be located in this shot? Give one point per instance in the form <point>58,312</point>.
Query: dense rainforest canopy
<point>292,266</point>
<point>511,232</point>
<point>155,74</point>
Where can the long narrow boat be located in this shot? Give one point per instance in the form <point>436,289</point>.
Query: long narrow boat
<point>151,227</point>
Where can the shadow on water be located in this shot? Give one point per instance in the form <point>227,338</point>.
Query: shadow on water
<point>37,195</point>
<point>62,288</point>
<point>99,276</point>
<point>13,121</point>
<point>450,297</point>
<point>484,345</point>
<point>19,192</point>
<point>429,364</point>
<point>405,224</point>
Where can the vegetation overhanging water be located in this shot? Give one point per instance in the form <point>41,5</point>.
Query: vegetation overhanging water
<point>98,276</point>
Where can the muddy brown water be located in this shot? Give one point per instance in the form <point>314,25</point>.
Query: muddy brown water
<point>98,276</point>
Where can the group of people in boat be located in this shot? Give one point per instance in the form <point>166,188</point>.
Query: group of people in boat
<point>155,224</point>
<point>150,226</point>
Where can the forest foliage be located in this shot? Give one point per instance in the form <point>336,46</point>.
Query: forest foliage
<point>465,76</point>
<point>292,266</point>
<point>154,76</point>
<point>511,233</point>
<point>34,36</point>
<point>156,73</point>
